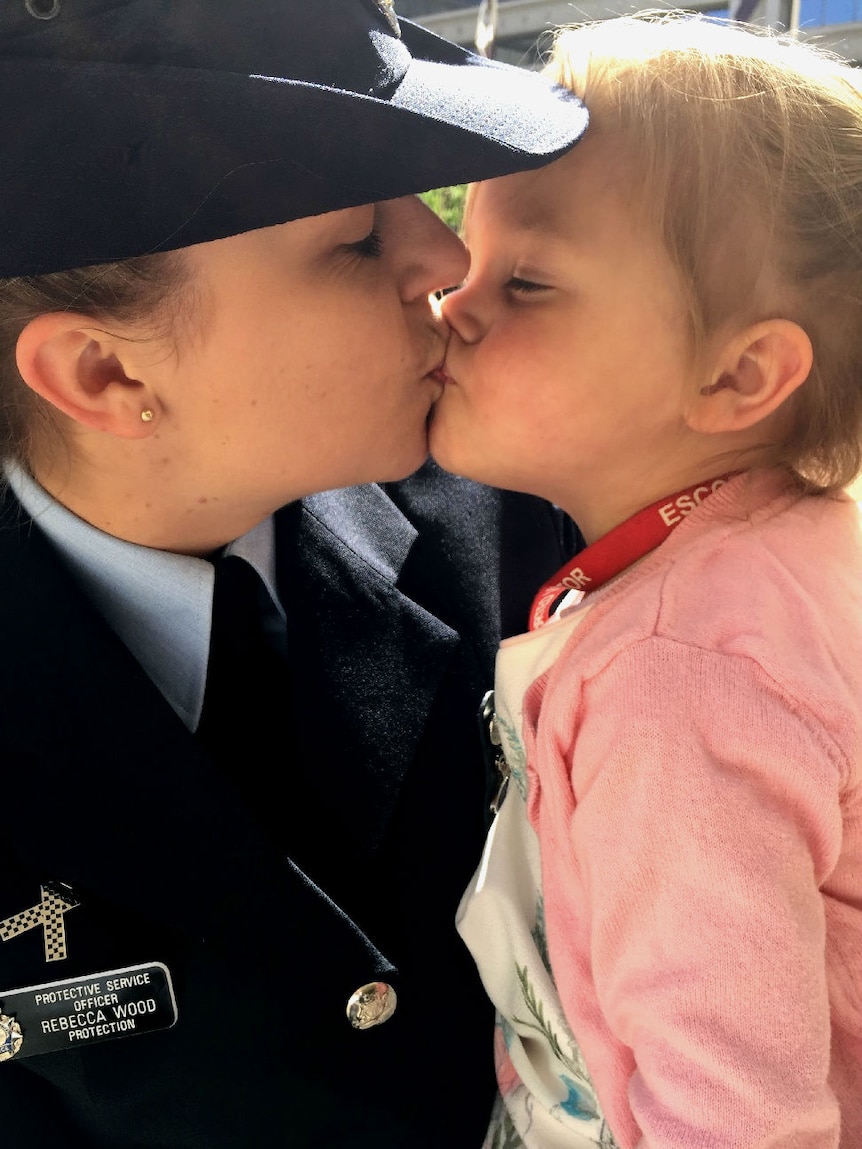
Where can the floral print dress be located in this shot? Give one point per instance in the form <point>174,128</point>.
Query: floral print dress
<point>546,1099</point>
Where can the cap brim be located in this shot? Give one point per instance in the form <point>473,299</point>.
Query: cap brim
<point>138,159</point>
<point>507,118</point>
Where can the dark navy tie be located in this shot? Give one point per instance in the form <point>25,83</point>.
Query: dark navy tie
<point>245,712</point>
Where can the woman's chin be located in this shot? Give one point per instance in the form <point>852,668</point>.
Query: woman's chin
<point>445,443</point>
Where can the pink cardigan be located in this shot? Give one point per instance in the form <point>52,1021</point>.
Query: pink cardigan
<point>695,768</point>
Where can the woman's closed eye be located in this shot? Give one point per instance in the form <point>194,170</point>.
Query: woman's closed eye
<point>369,247</point>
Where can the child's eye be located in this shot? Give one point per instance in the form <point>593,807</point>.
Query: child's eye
<point>370,246</point>
<point>524,286</point>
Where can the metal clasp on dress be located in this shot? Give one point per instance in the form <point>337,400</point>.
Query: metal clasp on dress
<point>495,747</point>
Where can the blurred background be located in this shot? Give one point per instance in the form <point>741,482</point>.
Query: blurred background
<point>515,30</point>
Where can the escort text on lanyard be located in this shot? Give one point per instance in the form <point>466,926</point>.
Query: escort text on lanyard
<point>620,547</point>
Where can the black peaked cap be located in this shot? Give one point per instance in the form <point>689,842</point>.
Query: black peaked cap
<point>134,126</point>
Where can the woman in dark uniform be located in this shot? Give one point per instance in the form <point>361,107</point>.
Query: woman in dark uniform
<point>242,786</point>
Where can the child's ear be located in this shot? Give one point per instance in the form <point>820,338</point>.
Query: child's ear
<point>79,368</point>
<point>755,371</point>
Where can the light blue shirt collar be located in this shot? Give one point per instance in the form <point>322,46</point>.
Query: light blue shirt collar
<point>158,603</point>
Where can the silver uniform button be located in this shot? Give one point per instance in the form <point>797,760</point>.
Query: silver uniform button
<point>371,1005</point>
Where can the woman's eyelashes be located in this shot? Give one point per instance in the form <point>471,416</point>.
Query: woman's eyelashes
<point>370,246</point>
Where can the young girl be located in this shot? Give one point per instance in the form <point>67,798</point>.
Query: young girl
<point>662,332</point>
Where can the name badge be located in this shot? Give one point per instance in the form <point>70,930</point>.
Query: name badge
<point>84,1010</point>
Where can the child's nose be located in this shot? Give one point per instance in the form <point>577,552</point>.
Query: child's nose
<point>461,312</point>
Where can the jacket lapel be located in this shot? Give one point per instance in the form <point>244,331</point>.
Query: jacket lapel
<point>366,660</point>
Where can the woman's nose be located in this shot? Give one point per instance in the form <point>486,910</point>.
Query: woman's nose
<point>436,258</point>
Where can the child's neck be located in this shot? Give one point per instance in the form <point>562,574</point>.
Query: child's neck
<point>596,517</point>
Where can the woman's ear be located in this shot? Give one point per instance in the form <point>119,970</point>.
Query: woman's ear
<point>754,373</point>
<point>80,369</point>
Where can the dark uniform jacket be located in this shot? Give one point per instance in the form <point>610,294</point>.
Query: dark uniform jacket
<point>393,597</point>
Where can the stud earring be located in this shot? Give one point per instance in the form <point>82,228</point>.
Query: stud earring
<point>147,415</point>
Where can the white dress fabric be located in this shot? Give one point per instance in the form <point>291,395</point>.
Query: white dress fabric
<point>546,1099</point>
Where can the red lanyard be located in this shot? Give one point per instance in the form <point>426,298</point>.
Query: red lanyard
<point>620,547</point>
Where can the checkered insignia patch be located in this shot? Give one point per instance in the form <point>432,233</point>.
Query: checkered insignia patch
<point>57,899</point>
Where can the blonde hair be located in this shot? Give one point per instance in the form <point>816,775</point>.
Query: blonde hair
<point>744,149</point>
